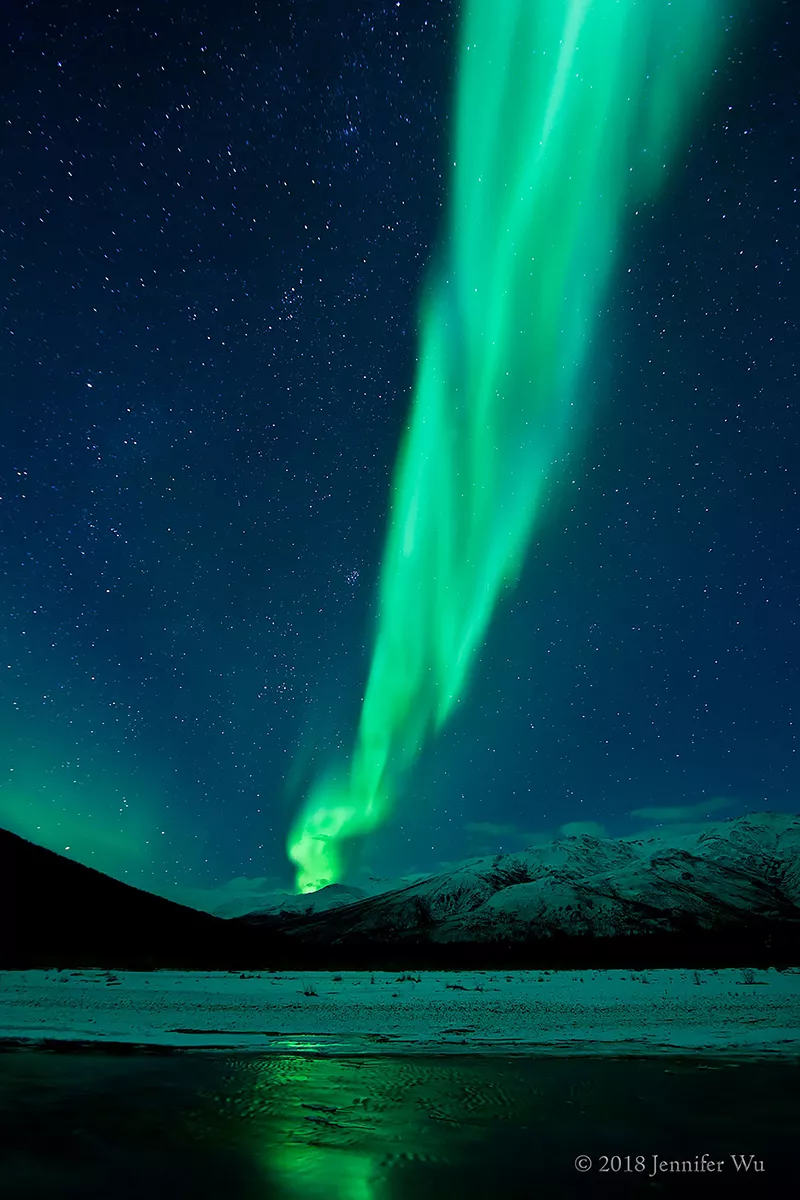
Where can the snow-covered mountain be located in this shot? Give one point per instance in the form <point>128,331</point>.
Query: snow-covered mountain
<point>732,873</point>
<point>335,895</point>
<point>284,903</point>
<point>729,893</point>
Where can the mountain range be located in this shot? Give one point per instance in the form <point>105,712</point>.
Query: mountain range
<point>722,894</point>
<point>730,881</point>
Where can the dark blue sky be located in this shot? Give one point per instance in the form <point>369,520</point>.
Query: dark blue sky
<point>214,220</point>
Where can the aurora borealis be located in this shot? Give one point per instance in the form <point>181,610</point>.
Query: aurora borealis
<point>235,255</point>
<point>565,111</point>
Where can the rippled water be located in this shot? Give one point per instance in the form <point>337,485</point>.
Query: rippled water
<point>301,1127</point>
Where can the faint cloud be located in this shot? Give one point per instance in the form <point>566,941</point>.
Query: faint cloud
<point>576,828</point>
<point>234,887</point>
<point>536,839</point>
<point>488,829</point>
<point>685,812</point>
<point>488,837</point>
<point>234,898</point>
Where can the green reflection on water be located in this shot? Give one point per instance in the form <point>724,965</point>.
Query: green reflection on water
<point>290,1127</point>
<point>342,1128</point>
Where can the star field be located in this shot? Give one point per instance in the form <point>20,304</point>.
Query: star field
<point>214,225</point>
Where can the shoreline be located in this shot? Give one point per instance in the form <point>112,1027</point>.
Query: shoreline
<point>741,1014</point>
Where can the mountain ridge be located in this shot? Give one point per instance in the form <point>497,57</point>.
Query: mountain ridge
<point>728,894</point>
<point>58,912</point>
<point>741,873</point>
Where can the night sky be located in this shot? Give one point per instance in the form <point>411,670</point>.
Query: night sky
<point>214,223</point>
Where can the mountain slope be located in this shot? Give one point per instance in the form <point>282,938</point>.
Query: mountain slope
<point>281,903</point>
<point>56,912</point>
<point>732,879</point>
<point>729,894</point>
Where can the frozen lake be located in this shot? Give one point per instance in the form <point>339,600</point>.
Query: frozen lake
<point>245,1126</point>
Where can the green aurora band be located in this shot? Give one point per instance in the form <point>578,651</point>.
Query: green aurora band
<point>567,112</point>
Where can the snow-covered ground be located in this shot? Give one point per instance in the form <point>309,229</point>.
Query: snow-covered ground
<point>738,1013</point>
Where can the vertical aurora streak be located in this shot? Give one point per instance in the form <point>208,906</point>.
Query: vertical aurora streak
<point>566,111</point>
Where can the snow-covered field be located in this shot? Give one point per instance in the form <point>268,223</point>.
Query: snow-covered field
<point>731,1012</point>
